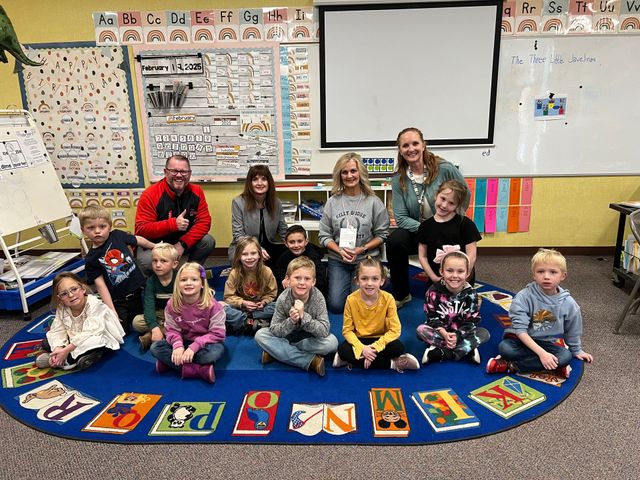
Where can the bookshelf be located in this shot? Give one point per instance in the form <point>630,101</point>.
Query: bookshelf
<point>296,193</point>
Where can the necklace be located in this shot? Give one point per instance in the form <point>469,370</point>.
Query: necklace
<point>419,195</point>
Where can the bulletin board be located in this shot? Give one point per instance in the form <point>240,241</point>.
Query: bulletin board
<point>30,192</point>
<point>220,107</point>
<point>83,102</point>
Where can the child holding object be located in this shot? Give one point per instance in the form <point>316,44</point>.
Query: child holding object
<point>453,313</point>
<point>250,290</point>
<point>299,333</point>
<point>194,323</point>
<point>447,227</point>
<point>541,313</point>
<point>82,328</point>
<point>371,326</point>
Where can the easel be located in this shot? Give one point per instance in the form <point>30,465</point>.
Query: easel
<point>30,193</point>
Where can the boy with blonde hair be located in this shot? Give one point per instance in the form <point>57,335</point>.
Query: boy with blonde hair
<point>540,314</point>
<point>110,264</point>
<point>157,292</point>
<point>299,332</point>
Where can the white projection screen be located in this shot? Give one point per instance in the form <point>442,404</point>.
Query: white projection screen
<point>390,66</point>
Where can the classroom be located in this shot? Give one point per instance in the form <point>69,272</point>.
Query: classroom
<point>575,167</point>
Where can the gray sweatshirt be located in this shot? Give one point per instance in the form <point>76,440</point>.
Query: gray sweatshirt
<point>367,214</point>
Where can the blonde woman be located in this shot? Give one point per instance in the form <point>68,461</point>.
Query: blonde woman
<point>354,223</point>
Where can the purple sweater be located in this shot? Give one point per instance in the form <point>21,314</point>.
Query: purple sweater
<point>193,324</point>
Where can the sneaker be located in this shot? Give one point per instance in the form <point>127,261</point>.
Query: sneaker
<point>89,359</point>
<point>406,361</point>
<point>563,372</point>
<point>338,362</point>
<point>145,341</point>
<point>42,360</point>
<point>498,365</point>
<point>474,356</point>
<point>317,365</point>
<point>403,302</point>
<point>266,358</point>
<point>432,354</point>
<point>161,367</point>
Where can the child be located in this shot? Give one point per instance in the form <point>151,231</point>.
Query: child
<point>157,292</point>
<point>447,227</point>
<point>453,313</point>
<point>297,243</point>
<point>193,319</point>
<point>299,333</point>
<point>250,290</point>
<point>110,265</point>
<point>82,329</point>
<point>541,313</point>
<point>371,326</point>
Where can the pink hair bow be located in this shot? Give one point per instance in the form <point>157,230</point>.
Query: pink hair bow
<point>446,249</point>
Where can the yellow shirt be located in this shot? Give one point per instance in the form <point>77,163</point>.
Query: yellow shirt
<point>364,321</point>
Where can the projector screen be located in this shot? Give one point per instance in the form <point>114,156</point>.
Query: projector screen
<point>428,65</point>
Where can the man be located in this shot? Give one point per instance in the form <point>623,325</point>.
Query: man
<point>175,211</point>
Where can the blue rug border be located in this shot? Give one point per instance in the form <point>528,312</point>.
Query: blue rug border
<point>363,415</point>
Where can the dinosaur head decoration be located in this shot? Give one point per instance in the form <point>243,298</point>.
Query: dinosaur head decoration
<point>9,42</point>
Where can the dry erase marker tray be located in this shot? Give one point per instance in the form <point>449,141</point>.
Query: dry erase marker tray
<point>37,290</point>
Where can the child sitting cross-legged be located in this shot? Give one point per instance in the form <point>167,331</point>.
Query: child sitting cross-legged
<point>453,313</point>
<point>250,291</point>
<point>371,326</point>
<point>299,332</point>
<point>194,323</point>
<point>541,313</point>
<point>157,292</point>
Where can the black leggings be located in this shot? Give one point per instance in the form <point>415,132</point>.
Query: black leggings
<point>383,359</point>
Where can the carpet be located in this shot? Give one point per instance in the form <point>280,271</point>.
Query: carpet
<point>123,400</point>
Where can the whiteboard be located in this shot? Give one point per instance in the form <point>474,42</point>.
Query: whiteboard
<point>597,137</point>
<point>385,66</point>
<point>30,192</point>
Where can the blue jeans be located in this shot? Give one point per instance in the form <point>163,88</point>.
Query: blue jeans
<point>341,284</point>
<point>298,354</point>
<point>237,318</point>
<point>525,360</point>
<point>207,355</point>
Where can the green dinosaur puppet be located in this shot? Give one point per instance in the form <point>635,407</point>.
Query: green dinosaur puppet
<point>9,42</point>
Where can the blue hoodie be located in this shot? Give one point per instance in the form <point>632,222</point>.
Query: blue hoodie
<point>546,317</point>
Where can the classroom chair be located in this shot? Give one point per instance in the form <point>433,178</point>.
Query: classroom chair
<point>633,304</point>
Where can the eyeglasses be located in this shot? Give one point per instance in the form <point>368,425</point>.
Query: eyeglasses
<point>68,293</point>
<point>175,172</point>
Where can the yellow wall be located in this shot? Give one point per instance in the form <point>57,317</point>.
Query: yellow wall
<point>566,211</point>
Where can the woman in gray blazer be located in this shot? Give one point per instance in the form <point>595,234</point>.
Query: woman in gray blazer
<point>257,212</point>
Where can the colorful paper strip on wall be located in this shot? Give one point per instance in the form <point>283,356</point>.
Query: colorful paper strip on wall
<point>500,204</point>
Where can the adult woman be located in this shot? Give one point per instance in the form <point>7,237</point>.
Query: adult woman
<point>414,186</point>
<point>257,212</point>
<point>354,223</point>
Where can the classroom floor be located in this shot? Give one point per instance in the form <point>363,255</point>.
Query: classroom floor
<point>593,434</point>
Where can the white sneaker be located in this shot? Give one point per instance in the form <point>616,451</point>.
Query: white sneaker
<point>425,357</point>
<point>338,362</point>
<point>406,361</point>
